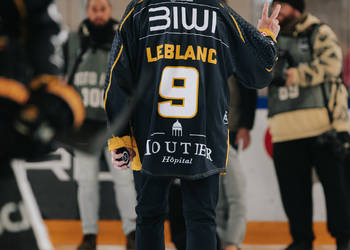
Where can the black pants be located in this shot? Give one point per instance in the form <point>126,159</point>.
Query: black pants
<point>199,203</point>
<point>293,163</point>
<point>177,219</point>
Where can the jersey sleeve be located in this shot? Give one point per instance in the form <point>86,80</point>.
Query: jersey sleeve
<point>120,84</point>
<point>253,53</point>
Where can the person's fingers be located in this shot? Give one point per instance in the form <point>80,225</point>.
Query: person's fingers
<point>245,145</point>
<point>118,156</point>
<point>275,25</point>
<point>120,165</point>
<point>276,11</point>
<point>289,80</point>
<point>124,167</point>
<point>116,164</point>
<point>259,24</point>
<point>247,141</point>
<point>113,153</point>
<point>131,152</point>
<point>265,12</point>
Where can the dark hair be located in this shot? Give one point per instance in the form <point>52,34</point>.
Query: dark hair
<point>88,3</point>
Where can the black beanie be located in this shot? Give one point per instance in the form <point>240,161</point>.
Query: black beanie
<point>297,4</point>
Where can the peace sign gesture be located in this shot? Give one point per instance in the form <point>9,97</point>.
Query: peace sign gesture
<point>271,23</point>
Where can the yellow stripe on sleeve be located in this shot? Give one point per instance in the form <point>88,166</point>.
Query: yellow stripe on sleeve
<point>110,75</point>
<point>228,147</point>
<point>239,30</point>
<point>267,32</point>
<point>122,23</point>
<point>116,60</point>
<point>269,70</point>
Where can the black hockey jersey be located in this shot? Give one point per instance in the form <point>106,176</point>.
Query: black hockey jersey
<point>180,55</point>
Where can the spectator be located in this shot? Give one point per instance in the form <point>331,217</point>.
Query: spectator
<point>301,121</point>
<point>231,210</point>
<point>87,53</point>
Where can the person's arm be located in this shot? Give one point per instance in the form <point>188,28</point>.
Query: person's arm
<point>119,88</point>
<point>326,62</point>
<point>254,52</point>
<point>248,101</point>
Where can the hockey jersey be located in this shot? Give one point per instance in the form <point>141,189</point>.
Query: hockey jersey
<point>179,54</point>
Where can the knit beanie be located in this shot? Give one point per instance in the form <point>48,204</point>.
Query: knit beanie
<point>297,4</point>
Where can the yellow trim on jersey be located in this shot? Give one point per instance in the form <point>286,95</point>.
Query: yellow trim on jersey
<point>122,23</point>
<point>110,75</point>
<point>127,142</point>
<point>228,147</point>
<point>116,60</point>
<point>269,70</point>
<point>239,30</point>
<point>120,142</point>
<point>267,32</point>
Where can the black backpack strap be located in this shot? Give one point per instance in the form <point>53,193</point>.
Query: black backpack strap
<point>76,65</point>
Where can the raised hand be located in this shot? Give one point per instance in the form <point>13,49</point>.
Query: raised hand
<point>271,23</point>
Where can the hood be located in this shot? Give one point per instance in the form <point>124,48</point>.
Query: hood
<point>297,26</point>
<point>306,23</point>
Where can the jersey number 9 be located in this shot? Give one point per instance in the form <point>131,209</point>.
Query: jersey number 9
<point>179,85</point>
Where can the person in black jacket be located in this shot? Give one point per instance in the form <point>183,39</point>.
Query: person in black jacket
<point>172,60</point>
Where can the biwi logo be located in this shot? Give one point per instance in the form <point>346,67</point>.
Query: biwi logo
<point>162,18</point>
